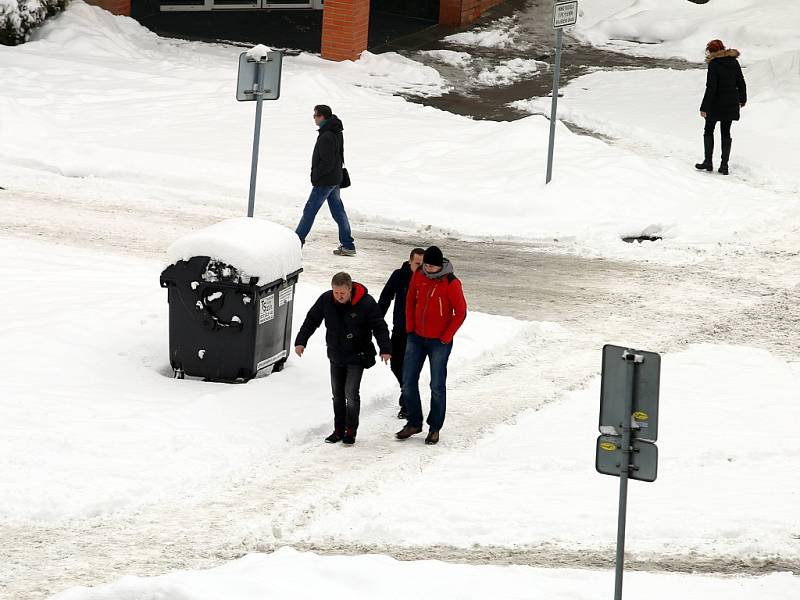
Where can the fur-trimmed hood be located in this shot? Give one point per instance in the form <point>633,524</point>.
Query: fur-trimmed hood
<point>728,52</point>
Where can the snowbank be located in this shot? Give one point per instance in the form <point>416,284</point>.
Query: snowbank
<point>256,247</point>
<point>765,139</point>
<point>726,444</point>
<point>677,28</point>
<point>305,576</point>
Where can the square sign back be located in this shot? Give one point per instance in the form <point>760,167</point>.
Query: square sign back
<point>565,14</point>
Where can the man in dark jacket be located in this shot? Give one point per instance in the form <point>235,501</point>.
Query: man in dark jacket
<point>396,290</point>
<point>726,93</point>
<point>327,161</point>
<point>435,309</point>
<point>351,318</point>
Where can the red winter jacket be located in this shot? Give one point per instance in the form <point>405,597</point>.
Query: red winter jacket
<point>435,308</point>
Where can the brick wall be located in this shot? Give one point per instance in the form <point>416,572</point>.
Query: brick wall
<point>463,12</point>
<point>345,29</point>
<point>118,7</point>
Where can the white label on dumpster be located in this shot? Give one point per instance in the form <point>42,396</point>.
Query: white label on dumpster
<point>266,311</point>
<point>285,296</point>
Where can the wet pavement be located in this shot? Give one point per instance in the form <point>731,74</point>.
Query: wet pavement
<point>532,37</point>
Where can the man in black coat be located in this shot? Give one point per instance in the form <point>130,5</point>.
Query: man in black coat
<point>327,162</point>
<point>726,93</point>
<point>396,289</point>
<point>351,318</point>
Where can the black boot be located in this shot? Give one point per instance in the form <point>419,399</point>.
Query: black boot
<point>336,436</point>
<point>726,154</point>
<point>708,147</point>
<point>349,437</point>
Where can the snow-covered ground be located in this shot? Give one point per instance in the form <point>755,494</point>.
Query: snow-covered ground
<point>657,110</point>
<point>93,422</point>
<point>109,101</point>
<point>300,576</point>
<point>95,428</point>
<point>727,447</point>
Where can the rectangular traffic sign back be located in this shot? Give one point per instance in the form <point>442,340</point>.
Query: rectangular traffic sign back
<point>565,14</point>
<point>617,364</point>
<point>248,77</point>
<point>643,458</point>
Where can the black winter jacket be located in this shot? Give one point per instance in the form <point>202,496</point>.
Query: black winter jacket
<point>725,87</point>
<point>328,156</point>
<point>396,289</point>
<point>349,328</point>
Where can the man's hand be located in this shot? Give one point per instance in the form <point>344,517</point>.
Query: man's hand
<point>299,350</point>
<point>704,114</point>
<point>385,358</point>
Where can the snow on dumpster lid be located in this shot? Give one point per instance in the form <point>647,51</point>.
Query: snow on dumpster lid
<point>256,247</point>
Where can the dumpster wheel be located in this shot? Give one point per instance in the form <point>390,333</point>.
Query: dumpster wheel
<point>178,373</point>
<point>278,366</point>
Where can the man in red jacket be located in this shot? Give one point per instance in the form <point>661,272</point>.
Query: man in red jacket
<point>435,309</point>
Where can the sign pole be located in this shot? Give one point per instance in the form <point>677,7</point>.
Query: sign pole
<point>554,106</point>
<point>258,90</point>
<point>624,470</point>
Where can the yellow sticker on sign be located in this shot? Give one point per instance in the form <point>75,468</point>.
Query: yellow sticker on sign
<point>640,416</point>
<point>608,446</point>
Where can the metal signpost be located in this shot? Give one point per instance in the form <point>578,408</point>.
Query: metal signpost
<point>259,79</point>
<point>565,14</point>
<point>628,427</point>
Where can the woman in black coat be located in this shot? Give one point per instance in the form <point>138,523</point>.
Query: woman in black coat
<point>726,93</point>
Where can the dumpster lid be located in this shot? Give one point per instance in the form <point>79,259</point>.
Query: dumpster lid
<point>255,247</point>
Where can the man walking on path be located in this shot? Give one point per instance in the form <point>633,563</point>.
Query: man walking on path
<point>396,289</point>
<point>327,161</point>
<point>435,309</point>
<point>351,318</point>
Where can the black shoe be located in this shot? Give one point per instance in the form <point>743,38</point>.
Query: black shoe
<point>723,169</point>
<point>342,251</point>
<point>402,414</point>
<point>407,431</point>
<point>349,437</point>
<point>336,436</point>
<point>704,166</point>
<point>433,438</point>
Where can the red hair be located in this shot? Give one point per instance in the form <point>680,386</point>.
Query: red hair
<point>715,46</point>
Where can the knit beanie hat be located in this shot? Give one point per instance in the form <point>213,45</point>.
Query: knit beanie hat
<point>433,256</point>
<point>715,46</point>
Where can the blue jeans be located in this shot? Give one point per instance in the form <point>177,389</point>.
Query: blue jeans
<point>417,350</point>
<point>319,194</point>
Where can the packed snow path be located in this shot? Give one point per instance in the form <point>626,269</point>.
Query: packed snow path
<point>748,298</point>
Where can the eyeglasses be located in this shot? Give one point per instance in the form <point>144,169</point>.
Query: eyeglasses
<point>317,115</point>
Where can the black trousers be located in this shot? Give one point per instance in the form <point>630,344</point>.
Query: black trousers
<point>724,128</point>
<point>346,389</point>
<point>399,339</point>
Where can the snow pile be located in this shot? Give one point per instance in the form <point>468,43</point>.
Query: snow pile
<point>19,17</point>
<point>306,576</point>
<point>677,28</point>
<point>510,71</point>
<point>392,73</point>
<point>503,33</point>
<point>256,247</point>
<point>719,490</point>
<point>450,57</point>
